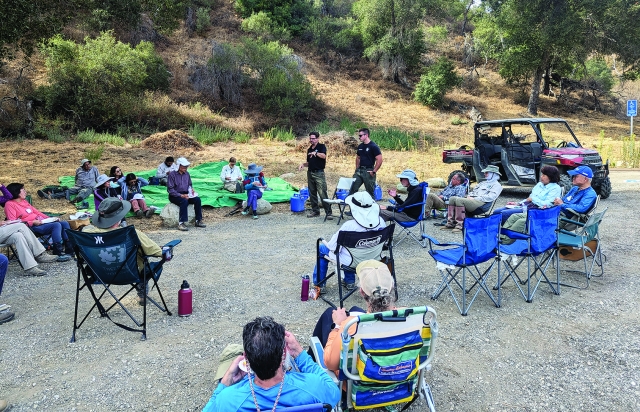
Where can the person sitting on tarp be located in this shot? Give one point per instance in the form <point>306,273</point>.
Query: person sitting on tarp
<point>231,177</point>
<point>164,169</point>
<point>85,180</point>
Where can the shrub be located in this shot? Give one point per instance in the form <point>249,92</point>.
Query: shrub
<point>208,135</point>
<point>242,137</point>
<point>100,82</point>
<point>292,15</point>
<point>434,84</point>
<point>281,135</point>
<point>338,33</point>
<point>203,20</point>
<point>94,154</point>
<point>264,27</point>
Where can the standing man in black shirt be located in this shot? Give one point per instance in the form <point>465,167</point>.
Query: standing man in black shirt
<point>316,161</point>
<point>368,161</point>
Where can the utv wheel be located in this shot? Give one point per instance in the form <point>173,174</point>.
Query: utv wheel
<point>466,176</point>
<point>565,183</point>
<point>605,188</point>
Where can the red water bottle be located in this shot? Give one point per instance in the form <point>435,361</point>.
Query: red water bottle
<point>304,292</point>
<point>185,300</point>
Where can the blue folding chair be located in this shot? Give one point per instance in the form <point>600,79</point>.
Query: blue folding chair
<point>480,245</point>
<point>407,226</point>
<point>537,246</point>
<point>110,258</point>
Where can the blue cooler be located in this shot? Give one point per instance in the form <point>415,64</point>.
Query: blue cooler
<point>342,194</point>
<point>304,193</point>
<point>377,193</point>
<point>297,203</point>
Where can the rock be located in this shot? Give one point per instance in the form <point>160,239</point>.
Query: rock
<point>171,213</point>
<point>436,182</point>
<point>287,175</point>
<point>264,207</point>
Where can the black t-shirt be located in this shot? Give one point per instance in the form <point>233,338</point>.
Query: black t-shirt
<point>315,163</point>
<point>368,153</point>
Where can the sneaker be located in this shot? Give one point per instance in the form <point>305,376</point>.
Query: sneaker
<point>322,289</point>
<point>139,213</point>
<point>348,214</point>
<point>313,214</point>
<point>255,216</point>
<point>35,271</point>
<point>44,257</point>
<point>64,258</point>
<point>84,205</point>
<point>3,405</point>
<point>349,286</point>
<point>245,211</point>
<point>43,195</point>
<point>141,300</point>
<point>148,213</point>
<point>329,217</point>
<point>199,224</point>
<point>456,230</point>
<point>183,227</point>
<point>6,316</point>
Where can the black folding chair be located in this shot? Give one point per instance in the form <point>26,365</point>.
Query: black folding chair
<point>110,258</point>
<point>362,246</point>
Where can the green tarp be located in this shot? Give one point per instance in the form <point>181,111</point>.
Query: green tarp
<point>206,182</point>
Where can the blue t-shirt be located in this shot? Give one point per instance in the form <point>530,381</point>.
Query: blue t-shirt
<point>311,385</point>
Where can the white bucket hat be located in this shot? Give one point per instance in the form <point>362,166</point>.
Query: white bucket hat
<point>364,209</point>
<point>102,179</point>
<point>410,175</point>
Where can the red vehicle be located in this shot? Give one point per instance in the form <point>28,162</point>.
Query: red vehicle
<point>521,147</point>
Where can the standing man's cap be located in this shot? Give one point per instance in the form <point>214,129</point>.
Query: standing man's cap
<point>581,170</point>
<point>83,161</point>
<point>182,162</point>
<point>229,353</point>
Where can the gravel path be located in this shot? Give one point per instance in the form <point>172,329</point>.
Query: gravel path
<point>576,351</point>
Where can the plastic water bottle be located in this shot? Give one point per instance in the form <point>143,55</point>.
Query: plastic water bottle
<point>304,292</point>
<point>377,193</point>
<point>185,300</point>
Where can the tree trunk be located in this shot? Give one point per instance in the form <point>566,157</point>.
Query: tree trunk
<point>546,85</point>
<point>532,107</point>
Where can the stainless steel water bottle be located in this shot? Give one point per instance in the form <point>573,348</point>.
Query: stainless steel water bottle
<point>185,300</point>
<point>304,292</point>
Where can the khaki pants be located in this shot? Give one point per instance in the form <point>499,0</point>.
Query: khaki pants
<point>25,242</point>
<point>362,176</point>
<point>434,202</point>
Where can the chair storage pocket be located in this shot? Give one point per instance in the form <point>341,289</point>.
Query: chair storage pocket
<point>373,395</point>
<point>390,359</point>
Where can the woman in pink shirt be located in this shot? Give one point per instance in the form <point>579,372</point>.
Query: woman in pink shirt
<point>19,208</point>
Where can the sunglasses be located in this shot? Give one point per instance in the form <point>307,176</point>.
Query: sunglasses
<point>361,135</point>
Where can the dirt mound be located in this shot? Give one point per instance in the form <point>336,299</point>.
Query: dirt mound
<point>338,143</point>
<point>171,141</point>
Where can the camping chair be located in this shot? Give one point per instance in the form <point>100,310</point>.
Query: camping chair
<point>110,258</point>
<point>406,226</point>
<point>537,246</point>
<point>361,246</point>
<point>582,245</point>
<point>484,210</point>
<point>344,185</point>
<point>400,344</point>
<point>565,220</point>
<point>480,245</point>
<point>11,252</point>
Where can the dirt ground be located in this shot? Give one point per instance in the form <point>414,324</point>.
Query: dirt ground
<point>575,351</point>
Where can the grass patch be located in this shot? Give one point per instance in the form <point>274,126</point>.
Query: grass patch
<point>207,135</point>
<point>630,151</point>
<point>94,154</point>
<point>279,134</point>
<point>394,139</point>
<point>242,137</point>
<point>457,121</point>
<point>91,136</point>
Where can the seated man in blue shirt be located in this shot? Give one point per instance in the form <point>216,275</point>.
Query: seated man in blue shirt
<point>581,197</point>
<point>260,380</point>
<point>181,193</point>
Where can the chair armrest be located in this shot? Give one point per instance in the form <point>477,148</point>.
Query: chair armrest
<point>513,234</point>
<point>566,232</point>
<point>172,243</point>
<point>405,206</point>
<point>435,242</point>
<point>318,354</point>
<point>575,222</point>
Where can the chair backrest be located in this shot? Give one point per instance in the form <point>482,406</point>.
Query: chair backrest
<point>386,349</point>
<point>590,229</point>
<point>424,187</point>
<point>112,256</point>
<point>541,226</point>
<point>345,183</point>
<point>480,238</point>
<point>364,245</point>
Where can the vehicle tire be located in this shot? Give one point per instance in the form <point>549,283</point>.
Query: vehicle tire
<point>565,183</point>
<point>605,188</point>
<point>454,172</point>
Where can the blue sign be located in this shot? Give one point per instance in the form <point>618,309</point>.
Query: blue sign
<point>632,107</point>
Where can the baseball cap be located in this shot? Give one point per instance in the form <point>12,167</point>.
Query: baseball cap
<point>375,278</point>
<point>229,353</point>
<point>182,162</point>
<point>581,170</point>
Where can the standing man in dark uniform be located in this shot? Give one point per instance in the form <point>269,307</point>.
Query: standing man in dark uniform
<point>316,161</point>
<point>368,161</point>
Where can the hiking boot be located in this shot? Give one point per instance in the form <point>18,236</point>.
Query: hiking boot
<point>313,214</point>
<point>245,211</point>
<point>35,271</point>
<point>348,286</point>
<point>148,213</point>
<point>6,316</point>
<point>329,217</point>
<point>456,230</point>
<point>255,216</point>
<point>64,258</point>
<point>183,227</point>
<point>139,213</point>
<point>321,289</point>
<point>84,205</point>
<point>43,195</point>
<point>200,224</point>
<point>44,257</point>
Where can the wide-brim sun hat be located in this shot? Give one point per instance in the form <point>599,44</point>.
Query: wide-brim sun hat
<point>365,211</point>
<point>182,162</point>
<point>110,212</point>
<point>229,353</point>
<point>102,179</point>
<point>253,169</point>
<point>375,278</point>
<point>83,161</point>
<point>581,170</point>
<point>410,175</point>
<point>492,169</point>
